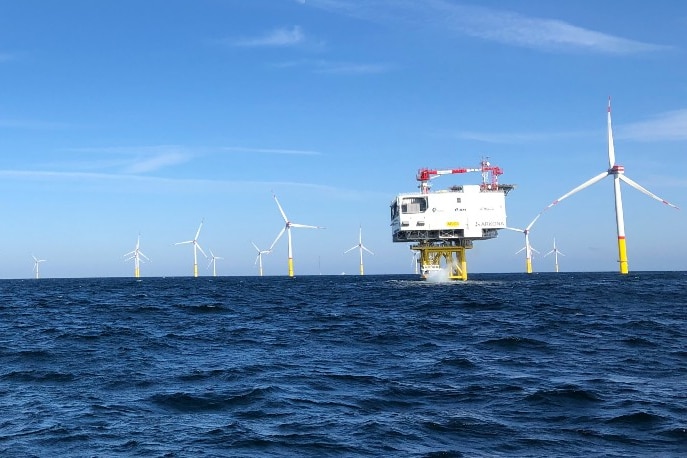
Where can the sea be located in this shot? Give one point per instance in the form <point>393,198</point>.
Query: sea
<point>547,364</point>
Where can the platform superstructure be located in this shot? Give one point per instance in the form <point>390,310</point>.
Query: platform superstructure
<point>443,224</point>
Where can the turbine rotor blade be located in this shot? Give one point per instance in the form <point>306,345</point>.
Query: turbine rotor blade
<point>587,183</point>
<point>611,146</point>
<point>198,232</point>
<point>350,249</point>
<point>201,250</point>
<point>281,210</point>
<point>640,188</point>
<point>184,243</point>
<point>514,229</point>
<point>529,226</point>
<point>306,226</point>
<point>364,248</point>
<point>278,237</point>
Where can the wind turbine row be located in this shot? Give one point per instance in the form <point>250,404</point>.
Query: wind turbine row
<point>137,255</point>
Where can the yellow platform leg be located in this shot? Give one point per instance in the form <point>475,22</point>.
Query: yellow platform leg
<point>444,257</point>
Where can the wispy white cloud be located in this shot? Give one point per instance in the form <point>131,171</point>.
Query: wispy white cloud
<point>517,137</point>
<point>241,149</point>
<point>181,184</point>
<point>670,126</point>
<point>350,68</point>
<point>10,123</point>
<point>281,37</point>
<point>134,160</point>
<point>338,68</point>
<point>506,27</point>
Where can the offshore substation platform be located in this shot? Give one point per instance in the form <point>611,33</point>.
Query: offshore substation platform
<point>443,224</point>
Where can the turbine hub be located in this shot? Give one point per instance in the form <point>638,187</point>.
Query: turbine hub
<point>617,170</point>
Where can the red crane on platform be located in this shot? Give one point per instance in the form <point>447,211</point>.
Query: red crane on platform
<point>490,175</point>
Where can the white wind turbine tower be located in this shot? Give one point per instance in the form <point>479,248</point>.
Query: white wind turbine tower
<point>555,252</point>
<point>414,260</point>
<point>528,248</point>
<point>36,262</point>
<point>618,173</point>
<point>213,263</point>
<point>361,247</point>
<point>258,258</point>
<point>287,227</point>
<point>136,255</point>
<point>196,247</point>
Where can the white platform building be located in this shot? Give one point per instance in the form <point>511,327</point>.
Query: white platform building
<point>443,224</point>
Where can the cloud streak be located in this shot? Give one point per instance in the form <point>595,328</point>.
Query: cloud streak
<point>281,37</point>
<point>241,149</point>
<point>668,126</point>
<point>510,138</point>
<point>489,24</point>
<point>338,68</point>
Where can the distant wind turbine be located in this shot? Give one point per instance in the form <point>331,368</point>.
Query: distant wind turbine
<point>258,258</point>
<point>361,247</point>
<point>618,173</point>
<point>555,253</point>
<point>528,248</point>
<point>196,247</point>
<point>136,255</point>
<point>213,263</point>
<point>36,262</point>
<point>287,227</point>
<point>415,260</point>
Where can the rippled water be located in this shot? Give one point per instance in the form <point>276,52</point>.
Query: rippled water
<point>590,364</point>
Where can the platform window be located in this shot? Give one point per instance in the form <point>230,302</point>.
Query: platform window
<point>394,211</point>
<point>414,205</point>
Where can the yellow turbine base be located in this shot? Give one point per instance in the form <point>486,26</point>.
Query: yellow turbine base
<point>451,256</point>
<point>137,273</point>
<point>622,255</point>
<point>528,265</point>
<point>362,271</point>
<point>290,267</point>
<point>195,270</point>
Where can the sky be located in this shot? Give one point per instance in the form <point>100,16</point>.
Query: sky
<point>128,117</point>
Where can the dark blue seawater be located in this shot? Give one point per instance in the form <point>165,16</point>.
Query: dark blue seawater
<point>588,364</point>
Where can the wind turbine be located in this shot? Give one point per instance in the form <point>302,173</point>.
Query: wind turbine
<point>136,255</point>
<point>258,259</point>
<point>555,252</point>
<point>361,247</point>
<point>213,262</point>
<point>287,227</point>
<point>618,173</point>
<point>414,260</point>
<point>528,248</point>
<point>196,247</point>
<point>36,261</point>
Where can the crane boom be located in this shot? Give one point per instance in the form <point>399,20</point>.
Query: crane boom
<point>490,175</point>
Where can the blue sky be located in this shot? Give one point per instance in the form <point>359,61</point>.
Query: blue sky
<point>126,117</point>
